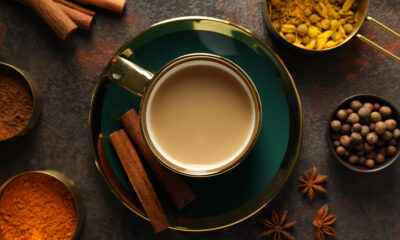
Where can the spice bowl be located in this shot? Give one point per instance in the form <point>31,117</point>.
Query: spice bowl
<point>362,135</point>
<point>25,124</point>
<point>59,194</point>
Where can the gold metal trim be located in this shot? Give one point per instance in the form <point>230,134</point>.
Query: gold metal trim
<point>256,100</point>
<point>69,184</point>
<point>290,168</point>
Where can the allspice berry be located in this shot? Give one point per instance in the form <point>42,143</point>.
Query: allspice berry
<point>371,155</point>
<point>379,158</point>
<point>391,150</point>
<point>362,160</point>
<point>385,111</point>
<point>375,117</point>
<point>349,111</point>
<point>341,115</point>
<point>353,118</point>
<point>377,106</point>
<point>393,142</point>
<point>371,126</point>
<point>345,140</point>
<point>353,159</point>
<point>391,124</point>
<point>387,136</point>
<point>336,125</point>
<point>370,163</point>
<point>340,150</point>
<point>380,128</point>
<point>396,133</point>
<point>356,138</point>
<point>359,147</point>
<point>364,112</point>
<point>346,154</point>
<point>381,143</point>
<point>356,127</point>
<point>372,138</point>
<point>368,148</point>
<point>355,105</point>
<point>346,128</point>
<point>368,105</point>
<point>365,130</point>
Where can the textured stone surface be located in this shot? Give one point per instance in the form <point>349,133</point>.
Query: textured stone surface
<point>366,204</point>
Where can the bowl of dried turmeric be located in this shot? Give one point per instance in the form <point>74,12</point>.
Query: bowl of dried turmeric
<point>40,205</point>
<point>320,25</point>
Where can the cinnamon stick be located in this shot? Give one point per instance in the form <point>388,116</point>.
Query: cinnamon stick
<point>175,185</point>
<point>112,5</point>
<point>82,19</point>
<point>139,180</point>
<point>76,7</point>
<point>53,15</point>
<point>105,165</point>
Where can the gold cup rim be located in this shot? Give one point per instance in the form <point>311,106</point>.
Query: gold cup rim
<point>36,100</point>
<point>255,99</point>
<point>68,183</point>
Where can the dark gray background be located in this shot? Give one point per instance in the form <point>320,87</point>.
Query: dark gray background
<point>367,205</point>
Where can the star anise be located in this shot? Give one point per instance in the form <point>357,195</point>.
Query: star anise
<point>277,226</point>
<point>322,223</point>
<point>310,183</point>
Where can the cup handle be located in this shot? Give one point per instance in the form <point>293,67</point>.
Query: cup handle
<point>376,46</point>
<point>128,75</point>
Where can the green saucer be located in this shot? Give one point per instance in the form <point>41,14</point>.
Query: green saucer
<point>234,196</point>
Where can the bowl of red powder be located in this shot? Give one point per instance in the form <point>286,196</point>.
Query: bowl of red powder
<point>40,205</point>
<point>20,102</point>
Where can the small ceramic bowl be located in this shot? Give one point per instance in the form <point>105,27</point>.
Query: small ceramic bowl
<point>69,184</point>
<point>36,98</point>
<point>346,104</point>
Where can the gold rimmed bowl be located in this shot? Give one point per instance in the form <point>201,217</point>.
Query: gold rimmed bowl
<point>6,68</point>
<point>345,104</point>
<point>70,186</point>
<point>361,16</point>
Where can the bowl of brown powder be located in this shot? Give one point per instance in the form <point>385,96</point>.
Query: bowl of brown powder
<point>20,102</point>
<point>40,205</point>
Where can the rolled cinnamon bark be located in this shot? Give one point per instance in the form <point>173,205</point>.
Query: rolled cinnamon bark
<point>139,180</point>
<point>82,19</point>
<point>112,5</point>
<point>53,15</point>
<point>175,185</point>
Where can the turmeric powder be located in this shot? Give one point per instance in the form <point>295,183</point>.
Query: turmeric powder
<point>36,206</point>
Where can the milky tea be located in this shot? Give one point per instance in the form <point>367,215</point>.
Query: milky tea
<point>201,116</point>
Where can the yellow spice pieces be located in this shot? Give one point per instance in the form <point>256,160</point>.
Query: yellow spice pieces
<point>313,24</point>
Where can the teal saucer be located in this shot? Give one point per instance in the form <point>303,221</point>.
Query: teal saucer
<point>234,196</point>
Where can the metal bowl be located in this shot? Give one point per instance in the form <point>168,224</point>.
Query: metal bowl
<point>345,104</point>
<point>36,99</point>
<point>362,11</point>
<point>69,184</point>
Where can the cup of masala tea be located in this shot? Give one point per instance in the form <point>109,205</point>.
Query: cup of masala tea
<point>40,205</point>
<point>200,114</point>
<point>20,102</point>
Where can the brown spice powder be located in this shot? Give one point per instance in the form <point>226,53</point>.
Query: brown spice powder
<point>37,206</point>
<point>15,104</point>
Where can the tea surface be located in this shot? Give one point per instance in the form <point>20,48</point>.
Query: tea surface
<point>200,115</point>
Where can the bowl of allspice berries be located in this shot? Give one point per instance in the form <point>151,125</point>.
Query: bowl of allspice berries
<point>363,133</point>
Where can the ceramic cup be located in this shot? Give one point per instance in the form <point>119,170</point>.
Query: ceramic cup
<point>200,114</point>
